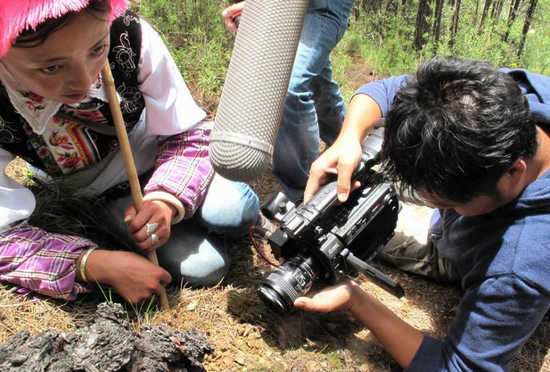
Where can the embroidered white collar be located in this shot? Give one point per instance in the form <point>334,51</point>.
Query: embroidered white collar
<point>39,111</point>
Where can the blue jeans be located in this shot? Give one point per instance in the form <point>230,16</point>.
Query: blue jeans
<point>196,251</point>
<point>314,107</point>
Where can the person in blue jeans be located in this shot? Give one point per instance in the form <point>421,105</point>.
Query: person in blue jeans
<point>473,142</point>
<point>314,108</point>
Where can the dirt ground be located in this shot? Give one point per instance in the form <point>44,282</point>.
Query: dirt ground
<point>249,337</point>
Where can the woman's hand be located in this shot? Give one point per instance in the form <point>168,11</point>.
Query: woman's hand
<point>131,275</point>
<point>150,228</point>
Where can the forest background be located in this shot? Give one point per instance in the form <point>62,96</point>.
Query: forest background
<point>384,37</point>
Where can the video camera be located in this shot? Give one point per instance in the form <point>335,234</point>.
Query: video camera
<point>322,239</point>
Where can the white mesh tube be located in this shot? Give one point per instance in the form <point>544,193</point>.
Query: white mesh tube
<point>253,96</point>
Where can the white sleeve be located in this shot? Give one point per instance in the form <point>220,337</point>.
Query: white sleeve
<point>170,108</point>
<point>16,201</point>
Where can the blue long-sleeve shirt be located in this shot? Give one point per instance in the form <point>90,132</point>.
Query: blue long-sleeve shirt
<point>503,258</point>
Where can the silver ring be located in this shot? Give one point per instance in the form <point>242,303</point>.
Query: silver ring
<point>151,228</point>
<point>154,239</point>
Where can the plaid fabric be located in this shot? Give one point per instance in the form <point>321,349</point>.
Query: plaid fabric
<point>42,263</point>
<point>183,167</point>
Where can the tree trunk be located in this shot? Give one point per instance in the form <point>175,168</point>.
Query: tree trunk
<point>372,5</point>
<point>527,25</point>
<point>484,14</point>
<point>497,9</point>
<point>421,25</point>
<point>437,20</point>
<point>454,22</point>
<point>514,6</point>
<point>356,13</point>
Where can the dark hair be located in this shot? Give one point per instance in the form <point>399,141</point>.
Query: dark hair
<point>455,128</point>
<point>29,37</point>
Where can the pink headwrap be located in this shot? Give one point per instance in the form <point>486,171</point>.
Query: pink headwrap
<point>18,15</point>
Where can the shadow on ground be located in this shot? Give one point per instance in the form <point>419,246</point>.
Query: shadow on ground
<point>338,339</point>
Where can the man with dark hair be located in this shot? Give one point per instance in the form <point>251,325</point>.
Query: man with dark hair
<point>473,142</point>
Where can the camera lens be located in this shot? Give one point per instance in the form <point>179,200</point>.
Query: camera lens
<point>288,282</point>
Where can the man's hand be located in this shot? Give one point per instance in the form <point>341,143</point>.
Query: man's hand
<point>131,275</point>
<point>338,297</point>
<point>230,13</point>
<point>341,159</point>
<point>398,338</point>
<point>153,212</point>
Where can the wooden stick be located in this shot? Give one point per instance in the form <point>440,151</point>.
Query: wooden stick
<point>127,156</point>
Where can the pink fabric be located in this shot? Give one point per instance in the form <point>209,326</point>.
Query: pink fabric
<point>17,15</point>
<point>42,263</point>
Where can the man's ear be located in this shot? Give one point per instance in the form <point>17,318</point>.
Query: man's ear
<point>514,178</point>
<point>517,170</point>
<point>513,181</point>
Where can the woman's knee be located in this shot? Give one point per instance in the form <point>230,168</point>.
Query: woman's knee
<point>192,255</point>
<point>230,208</point>
<point>202,273</point>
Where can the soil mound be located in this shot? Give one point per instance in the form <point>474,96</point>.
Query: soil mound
<point>107,344</point>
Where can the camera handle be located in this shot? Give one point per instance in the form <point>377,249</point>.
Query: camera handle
<point>375,276</point>
<point>371,148</point>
